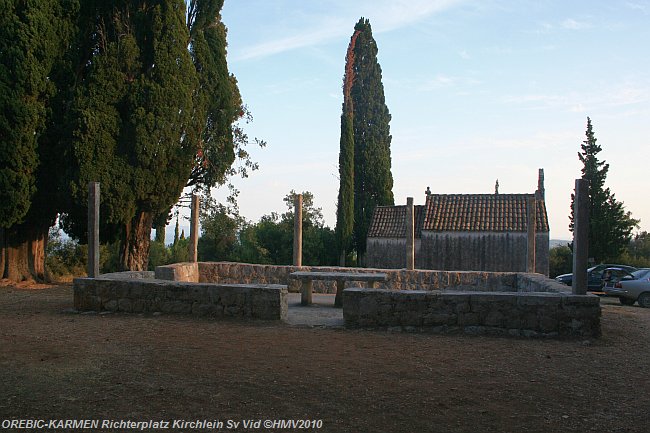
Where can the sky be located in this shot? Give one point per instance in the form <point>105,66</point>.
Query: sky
<point>478,91</point>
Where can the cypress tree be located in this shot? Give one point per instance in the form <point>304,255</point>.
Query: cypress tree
<point>610,226</point>
<point>217,102</point>
<point>132,119</point>
<point>365,108</point>
<point>345,206</point>
<point>33,41</point>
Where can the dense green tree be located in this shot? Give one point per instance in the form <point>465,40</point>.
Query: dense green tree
<point>219,230</point>
<point>34,36</point>
<point>319,241</point>
<point>364,105</point>
<point>637,252</point>
<point>132,119</point>
<point>153,113</point>
<point>228,236</point>
<point>560,261</point>
<point>610,226</point>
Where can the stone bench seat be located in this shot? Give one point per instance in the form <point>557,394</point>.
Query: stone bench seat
<point>132,293</point>
<point>307,278</point>
<point>510,313</point>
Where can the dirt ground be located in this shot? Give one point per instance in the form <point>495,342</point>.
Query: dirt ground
<point>57,364</point>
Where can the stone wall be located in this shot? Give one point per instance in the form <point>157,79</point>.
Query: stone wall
<point>516,313</point>
<point>138,295</point>
<point>397,279</point>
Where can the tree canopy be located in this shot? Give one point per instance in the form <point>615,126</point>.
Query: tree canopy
<point>34,37</point>
<point>228,236</point>
<point>135,95</point>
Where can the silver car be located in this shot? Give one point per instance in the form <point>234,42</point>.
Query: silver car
<point>635,288</point>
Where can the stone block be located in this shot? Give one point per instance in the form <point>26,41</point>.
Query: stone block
<point>468,319</point>
<point>547,324</point>
<point>124,304</point>
<point>494,318</point>
<point>139,306</point>
<point>538,299</point>
<point>368,306</point>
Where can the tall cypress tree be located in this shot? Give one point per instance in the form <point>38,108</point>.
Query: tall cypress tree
<point>610,226</point>
<point>345,206</point>
<point>153,112</point>
<point>365,106</point>
<point>132,119</point>
<point>34,36</point>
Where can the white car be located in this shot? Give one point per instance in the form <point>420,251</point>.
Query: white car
<point>632,289</point>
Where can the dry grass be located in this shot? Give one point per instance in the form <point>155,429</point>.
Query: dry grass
<point>57,364</point>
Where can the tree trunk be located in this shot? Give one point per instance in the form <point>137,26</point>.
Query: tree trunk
<point>23,253</point>
<point>2,253</point>
<point>134,250</point>
<point>36,257</point>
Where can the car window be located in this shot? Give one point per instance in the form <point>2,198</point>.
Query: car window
<point>641,273</point>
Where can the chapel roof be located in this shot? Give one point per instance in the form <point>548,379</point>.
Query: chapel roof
<point>461,213</point>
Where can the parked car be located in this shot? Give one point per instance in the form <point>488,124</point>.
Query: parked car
<point>635,288</point>
<point>595,274</point>
<point>611,276</point>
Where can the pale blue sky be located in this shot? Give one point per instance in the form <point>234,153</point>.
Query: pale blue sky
<point>478,90</point>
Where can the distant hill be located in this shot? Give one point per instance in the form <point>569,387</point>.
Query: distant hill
<point>557,242</point>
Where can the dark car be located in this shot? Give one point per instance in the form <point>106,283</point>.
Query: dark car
<point>595,276</point>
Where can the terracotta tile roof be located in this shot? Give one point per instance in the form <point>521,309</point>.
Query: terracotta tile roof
<point>481,212</point>
<point>390,222</point>
<point>460,212</point>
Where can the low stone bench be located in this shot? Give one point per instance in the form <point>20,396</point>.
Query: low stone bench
<point>527,314</point>
<point>131,294</point>
<point>307,279</point>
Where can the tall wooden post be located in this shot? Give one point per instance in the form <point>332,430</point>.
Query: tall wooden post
<point>194,229</point>
<point>93,229</point>
<point>410,234</point>
<point>580,237</point>
<point>297,230</point>
<point>531,207</point>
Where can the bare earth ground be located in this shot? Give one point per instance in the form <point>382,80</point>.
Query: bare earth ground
<point>56,364</point>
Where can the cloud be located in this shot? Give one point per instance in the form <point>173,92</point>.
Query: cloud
<point>329,31</point>
<point>438,81</point>
<point>571,24</point>
<point>638,7</point>
<point>319,28</point>
<point>624,94</point>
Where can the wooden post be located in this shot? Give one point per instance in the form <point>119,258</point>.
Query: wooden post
<point>93,229</point>
<point>532,233</point>
<point>297,230</point>
<point>410,234</point>
<point>580,237</point>
<point>194,228</point>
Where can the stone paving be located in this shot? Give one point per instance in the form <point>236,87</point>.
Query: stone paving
<point>321,313</point>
